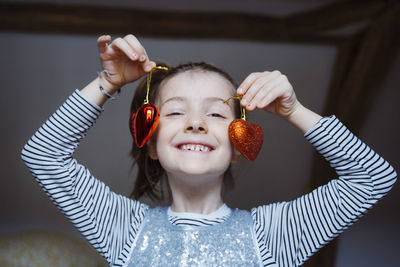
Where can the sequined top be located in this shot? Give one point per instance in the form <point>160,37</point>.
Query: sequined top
<point>287,233</point>
<point>230,243</point>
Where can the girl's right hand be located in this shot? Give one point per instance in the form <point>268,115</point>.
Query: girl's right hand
<point>124,60</point>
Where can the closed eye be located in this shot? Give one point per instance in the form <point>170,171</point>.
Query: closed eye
<point>174,114</point>
<point>217,115</point>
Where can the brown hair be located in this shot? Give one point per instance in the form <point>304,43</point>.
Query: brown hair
<point>151,177</point>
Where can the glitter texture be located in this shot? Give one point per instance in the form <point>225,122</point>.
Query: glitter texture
<point>230,243</point>
<point>247,137</point>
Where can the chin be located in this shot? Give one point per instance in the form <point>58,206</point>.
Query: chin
<point>195,167</point>
<point>196,170</point>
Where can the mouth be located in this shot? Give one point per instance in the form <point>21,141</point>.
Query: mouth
<point>195,147</point>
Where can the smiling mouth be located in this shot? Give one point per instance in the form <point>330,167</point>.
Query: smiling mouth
<point>195,147</point>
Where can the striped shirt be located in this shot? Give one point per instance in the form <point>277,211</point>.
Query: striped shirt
<point>190,220</point>
<point>287,233</point>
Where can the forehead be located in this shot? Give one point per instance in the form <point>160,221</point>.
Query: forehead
<point>195,84</point>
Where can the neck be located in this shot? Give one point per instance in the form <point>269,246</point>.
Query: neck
<point>202,198</point>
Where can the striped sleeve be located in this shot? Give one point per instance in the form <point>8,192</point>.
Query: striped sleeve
<point>288,233</point>
<point>107,220</point>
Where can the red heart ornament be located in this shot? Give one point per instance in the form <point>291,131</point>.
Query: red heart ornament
<point>247,137</point>
<point>143,123</point>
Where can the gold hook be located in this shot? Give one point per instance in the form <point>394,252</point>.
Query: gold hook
<point>148,80</point>
<point>242,109</point>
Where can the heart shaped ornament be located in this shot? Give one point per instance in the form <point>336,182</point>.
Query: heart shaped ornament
<point>143,123</point>
<point>247,137</point>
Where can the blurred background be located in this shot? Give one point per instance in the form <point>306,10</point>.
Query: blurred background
<point>340,56</point>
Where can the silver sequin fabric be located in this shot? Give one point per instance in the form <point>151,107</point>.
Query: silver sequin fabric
<point>230,243</point>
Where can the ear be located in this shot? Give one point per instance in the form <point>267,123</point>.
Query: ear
<point>152,149</point>
<point>235,155</point>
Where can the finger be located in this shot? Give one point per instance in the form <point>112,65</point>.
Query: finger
<point>254,84</point>
<point>148,65</point>
<point>152,64</point>
<point>266,88</point>
<point>256,99</point>
<point>245,85</point>
<point>121,45</point>
<point>102,43</point>
<point>143,57</point>
<point>275,93</point>
<point>136,46</point>
<point>255,87</point>
<point>260,82</point>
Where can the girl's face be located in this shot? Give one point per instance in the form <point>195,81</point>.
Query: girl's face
<point>192,135</point>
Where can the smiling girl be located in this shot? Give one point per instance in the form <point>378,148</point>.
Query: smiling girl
<point>191,149</point>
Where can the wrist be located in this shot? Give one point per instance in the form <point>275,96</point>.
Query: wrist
<point>108,86</point>
<point>303,118</point>
<point>296,112</point>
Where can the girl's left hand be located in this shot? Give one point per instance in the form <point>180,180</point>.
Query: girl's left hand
<point>270,91</point>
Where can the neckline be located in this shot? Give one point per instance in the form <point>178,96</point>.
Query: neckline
<point>222,211</point>
<point>195,228</point>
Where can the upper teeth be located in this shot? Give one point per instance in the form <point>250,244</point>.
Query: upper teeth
<point>195,147</point>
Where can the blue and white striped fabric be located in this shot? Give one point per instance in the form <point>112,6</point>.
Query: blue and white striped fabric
<point>288,233</point>
<point>191,220</point>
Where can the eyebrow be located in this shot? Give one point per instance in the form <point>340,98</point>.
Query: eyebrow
<point>183,99</point>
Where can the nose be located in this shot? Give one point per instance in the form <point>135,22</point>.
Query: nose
<point>196,124</point>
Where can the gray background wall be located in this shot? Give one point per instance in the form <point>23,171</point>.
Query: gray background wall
<point>38,72</point>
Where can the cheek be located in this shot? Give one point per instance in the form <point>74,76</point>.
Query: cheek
<point>222,130</point>
<point>161,131</point>
<point>166,130</point>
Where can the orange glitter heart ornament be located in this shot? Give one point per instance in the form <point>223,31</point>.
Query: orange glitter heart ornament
<point>247,137</point>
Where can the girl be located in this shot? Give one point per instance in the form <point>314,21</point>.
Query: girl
<point>192,150</point>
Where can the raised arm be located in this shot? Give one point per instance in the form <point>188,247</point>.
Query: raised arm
<point>288,233</point>
<point>107,220</point>
<point>123,61</point>
<point>293,231</point>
